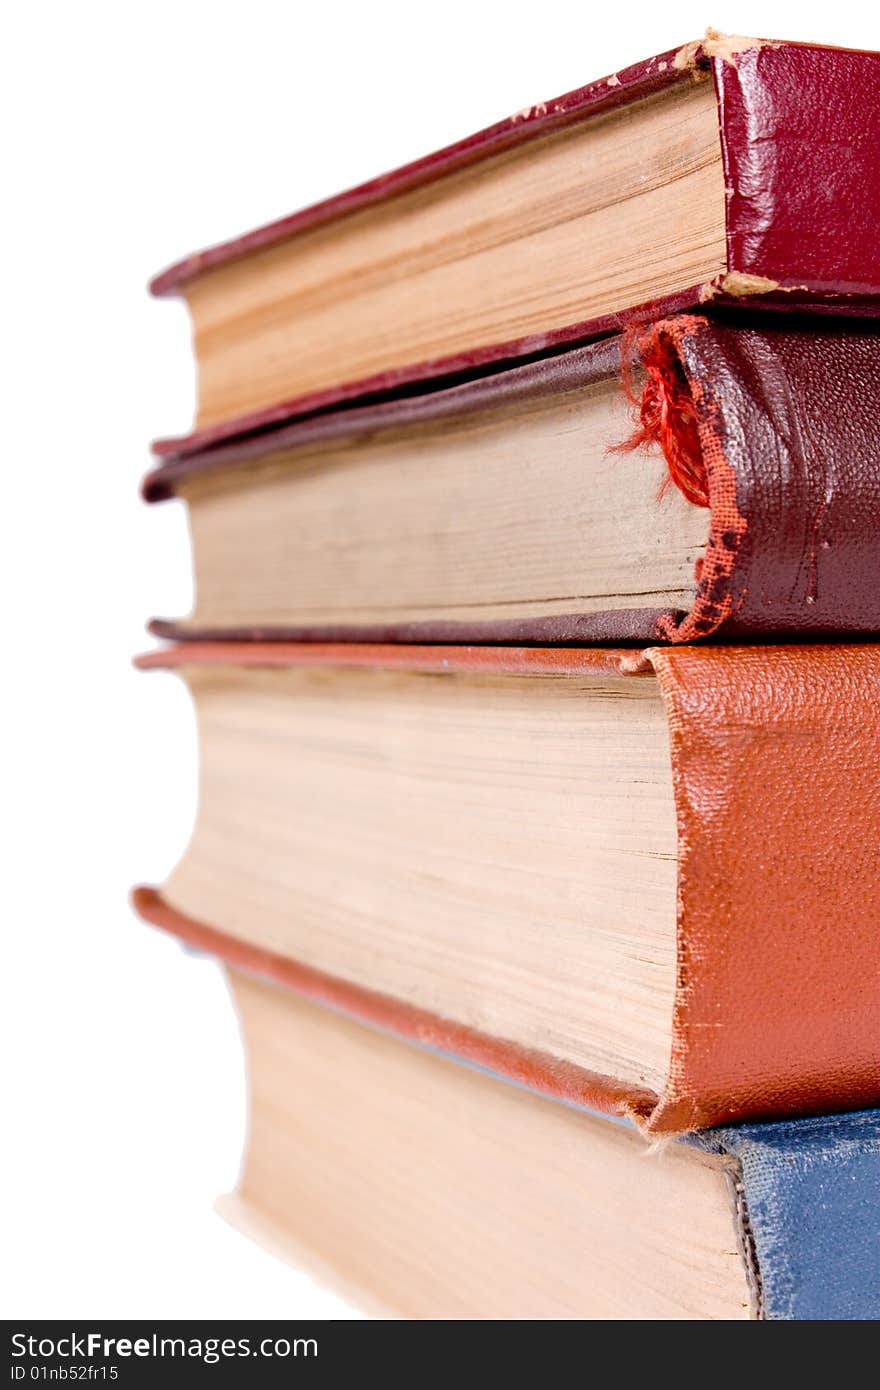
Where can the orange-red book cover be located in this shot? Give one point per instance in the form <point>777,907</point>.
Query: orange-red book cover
<point>774,755</point>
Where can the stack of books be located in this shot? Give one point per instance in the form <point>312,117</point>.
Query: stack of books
<point>535,504</point>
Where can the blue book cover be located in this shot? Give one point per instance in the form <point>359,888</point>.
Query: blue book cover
<point>798,1200</point>
<point>809,1214</point>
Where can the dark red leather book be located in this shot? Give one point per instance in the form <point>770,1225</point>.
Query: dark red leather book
<point>645,882</point>
<point>726,170</point>
<point>498,512</point>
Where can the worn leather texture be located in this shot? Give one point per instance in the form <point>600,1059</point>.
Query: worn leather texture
<point>800,135</point>
<point>787,418</point>
<point>810,1215</point>
<point>569,371</point>
<point>776,768</point>
<point>788,430</point>
<point>624,625</point>
<point>505,660</point>
<point>799,127</point>
<point>775,757</point>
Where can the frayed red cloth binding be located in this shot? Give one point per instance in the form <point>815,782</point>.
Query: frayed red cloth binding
<point>665,410</point>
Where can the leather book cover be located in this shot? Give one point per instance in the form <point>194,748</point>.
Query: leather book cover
<point>774,755</point>
<point>770,426</point>
<point>799,129</point>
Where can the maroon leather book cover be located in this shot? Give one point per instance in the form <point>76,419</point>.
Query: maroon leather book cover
<point>799,127</point>
<point>772,427</point>
<point>774,763</point>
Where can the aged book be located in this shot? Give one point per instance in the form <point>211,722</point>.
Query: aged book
<point>425,1189</point>
<point>503,510</point>
<point>642,881</point>
<point>729,170</point>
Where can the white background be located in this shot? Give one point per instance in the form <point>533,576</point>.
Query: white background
<point>133,134</point>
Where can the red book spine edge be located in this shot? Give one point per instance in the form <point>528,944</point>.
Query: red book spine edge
<point>528,1067</point>
<point>774,757</point>
<point>604,94</point>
